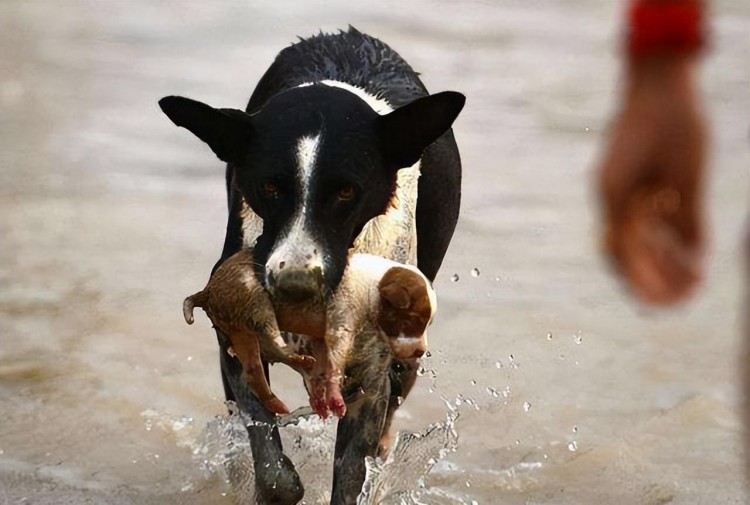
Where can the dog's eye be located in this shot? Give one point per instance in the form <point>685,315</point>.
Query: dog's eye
<point>270,190</point>
<point>346,193</point>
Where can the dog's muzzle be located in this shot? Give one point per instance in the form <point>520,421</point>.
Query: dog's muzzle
<point>296,285</point>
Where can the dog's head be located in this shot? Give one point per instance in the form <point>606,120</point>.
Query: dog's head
<point>407,306</point>
<point>315,163</point>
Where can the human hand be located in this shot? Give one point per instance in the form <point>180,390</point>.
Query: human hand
<point>650,182</point>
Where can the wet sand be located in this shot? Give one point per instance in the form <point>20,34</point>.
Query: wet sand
<point>109,216</point>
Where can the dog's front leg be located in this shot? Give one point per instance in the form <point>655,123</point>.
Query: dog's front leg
<point>276,480</point>
<point>360,430</point>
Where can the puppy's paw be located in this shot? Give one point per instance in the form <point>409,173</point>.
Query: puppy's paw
<point>319,406</point>
<point>301,363</point>
<point>335,400</point>
<point>275,405</point>
<point>318,397</point>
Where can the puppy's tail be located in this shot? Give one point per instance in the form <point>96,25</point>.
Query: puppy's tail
<point>192,301</point>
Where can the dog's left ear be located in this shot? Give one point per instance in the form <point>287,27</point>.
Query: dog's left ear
<point>408,130</point>
<point>226,131</point>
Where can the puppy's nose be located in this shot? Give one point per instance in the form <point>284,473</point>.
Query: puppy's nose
<point>297,284</point>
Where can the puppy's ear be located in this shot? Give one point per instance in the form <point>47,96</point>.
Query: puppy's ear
<point>396,295</point>
<point>226,131</point>
<point>408,130</point>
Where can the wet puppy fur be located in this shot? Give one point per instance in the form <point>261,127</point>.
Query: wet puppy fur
<point>316,162</point>
<point>406,309</point>
<point>239,307</point>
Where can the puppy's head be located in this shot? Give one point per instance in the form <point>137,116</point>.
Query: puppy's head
<point>315,163</point>
<point>407,306</point>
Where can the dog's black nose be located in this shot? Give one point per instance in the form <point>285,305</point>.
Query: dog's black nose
<point>297,285</point>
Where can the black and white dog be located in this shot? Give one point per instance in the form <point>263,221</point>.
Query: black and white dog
<point>327,159</point>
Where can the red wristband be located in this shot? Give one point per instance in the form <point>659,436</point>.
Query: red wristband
<point>664,27</point>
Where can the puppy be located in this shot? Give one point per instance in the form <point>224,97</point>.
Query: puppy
<point>376,293</point>
<point>239,307</point>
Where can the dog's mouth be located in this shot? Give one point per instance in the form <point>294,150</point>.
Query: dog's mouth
<point>295,286</point>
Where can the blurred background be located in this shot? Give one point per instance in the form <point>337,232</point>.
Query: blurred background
<point>567,391</point>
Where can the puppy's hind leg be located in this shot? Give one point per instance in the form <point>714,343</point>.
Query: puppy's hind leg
<point>245,345</point>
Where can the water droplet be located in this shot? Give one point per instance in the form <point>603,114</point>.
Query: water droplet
<point>497,278</point>
<point>428,354</point>
<point>575,429</point>
<point>498,364</point>
<point>454,278</point>
<point>512,361</point>
<point>468,484</point>
<point>156,456</point>
<point>518,442</point>
<point>475,272</point>
<point>587,128</point>
<point>573,446</point>
<point>578,338</point>
<point>190,358</point>
<point>473,382</point>
<point>549,336</point>
<point>526,406</point>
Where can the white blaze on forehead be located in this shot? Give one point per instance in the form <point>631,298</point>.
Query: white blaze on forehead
<point>307,152</point>
<point>296,248</point>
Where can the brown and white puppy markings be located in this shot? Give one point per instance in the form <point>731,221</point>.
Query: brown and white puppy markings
<point>407,306</point>
<point>238,306</point>
<point>375,293</point>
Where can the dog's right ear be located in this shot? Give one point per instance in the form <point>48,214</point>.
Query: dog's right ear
<point>226,131</point>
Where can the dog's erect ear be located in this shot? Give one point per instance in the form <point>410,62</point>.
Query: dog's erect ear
<point>226,131</point>
<point>408,130</point>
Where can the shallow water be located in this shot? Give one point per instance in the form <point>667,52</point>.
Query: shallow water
<point>560,389</point>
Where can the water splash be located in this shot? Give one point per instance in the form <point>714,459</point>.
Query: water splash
<point>399,479</point>
<point>403,477</point>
